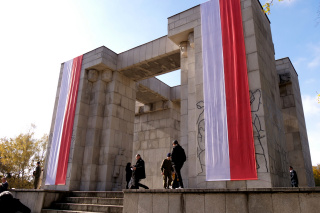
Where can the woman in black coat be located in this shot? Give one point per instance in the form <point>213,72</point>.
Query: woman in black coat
<point>128,174</point>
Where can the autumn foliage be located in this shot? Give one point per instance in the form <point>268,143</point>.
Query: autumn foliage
<point>267,5</point>
<point>18,157</point>
<point>316,174</point>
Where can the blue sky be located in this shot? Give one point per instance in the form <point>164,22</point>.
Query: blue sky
<point>37,36</point>
<point>295,28</point>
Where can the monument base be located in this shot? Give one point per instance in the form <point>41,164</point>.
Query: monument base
<point>282,200</point>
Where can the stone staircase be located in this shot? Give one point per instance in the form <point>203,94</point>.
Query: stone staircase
<point>89,202</point>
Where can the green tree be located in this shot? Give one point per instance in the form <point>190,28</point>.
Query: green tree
<point>18,156</point>
<point>316,174</point>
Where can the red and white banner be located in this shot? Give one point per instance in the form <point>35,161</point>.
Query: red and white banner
<point>62,133</point>
<point>230,153</point>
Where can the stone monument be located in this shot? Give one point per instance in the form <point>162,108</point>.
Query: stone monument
<point>122,109</point>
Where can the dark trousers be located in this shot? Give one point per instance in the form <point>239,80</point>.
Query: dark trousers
<point>36,182</point>
<point>177,178</point>
<point>167,180</point>
<point>127,185</point>
<point>137,184</point>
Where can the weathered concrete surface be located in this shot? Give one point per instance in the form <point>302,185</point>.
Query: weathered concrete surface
<point>37,199</point>
<point>155,128</point>
<point>148,60</point>
<point>152,90</point>
<point>263,200</point>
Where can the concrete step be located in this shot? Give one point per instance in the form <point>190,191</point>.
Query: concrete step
<point>64,211</point>
<point>103,194</point>
<point>89,207</point>
<point>95,200</point>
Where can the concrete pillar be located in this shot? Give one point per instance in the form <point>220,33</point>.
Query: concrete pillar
<point>115,147</point>
<point>93,133</point>
<point>184,130</point>
<point>294,123</point>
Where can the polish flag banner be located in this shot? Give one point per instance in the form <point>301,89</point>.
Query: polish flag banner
<point>62,133</point>
<point>229,142</point>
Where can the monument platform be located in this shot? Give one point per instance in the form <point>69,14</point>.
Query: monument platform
<point>245,200</point>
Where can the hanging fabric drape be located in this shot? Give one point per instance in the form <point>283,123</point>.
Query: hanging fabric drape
<point>230,153</point>
<point>61,140</point>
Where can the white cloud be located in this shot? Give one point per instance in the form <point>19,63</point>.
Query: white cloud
<point>311,107</point>
<point>281,3</point>
<point>313,137</point>
<point>315,57</point>
<point>314,63</point>
<point>288,2</point>
<point>310,81</point>
<point>299,61</point>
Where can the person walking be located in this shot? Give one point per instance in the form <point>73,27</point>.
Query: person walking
<point>4,185</point>
<point>166,171</point>
<point>37,174</point>
<point>178,157</point>
<point>294,177</point>
<point>139,173</point>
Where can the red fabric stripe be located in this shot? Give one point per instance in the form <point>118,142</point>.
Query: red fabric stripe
<point>68,122</point>
<point>240,133</point>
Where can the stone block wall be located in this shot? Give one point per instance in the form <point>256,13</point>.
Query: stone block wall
<point>155,128</point>
<point>294,122</point>
<point>282,200</point>
<point>36,200</point>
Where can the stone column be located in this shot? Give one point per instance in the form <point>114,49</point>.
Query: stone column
<point>97,83</point>
<point>294,123</point>
<point>193,160</point>
<point>199,120</point>
<point>184,108</point>
<point>117,133</point>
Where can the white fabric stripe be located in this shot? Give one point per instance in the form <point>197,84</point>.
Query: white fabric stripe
<point>56,138</point>
<point>216,128</point>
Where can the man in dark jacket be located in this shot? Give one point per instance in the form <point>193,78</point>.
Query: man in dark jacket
<point>36,175</point>
<point>139,172</point>
<point>294,177</point>
<point>4,185</point>
<point>178,157</point>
